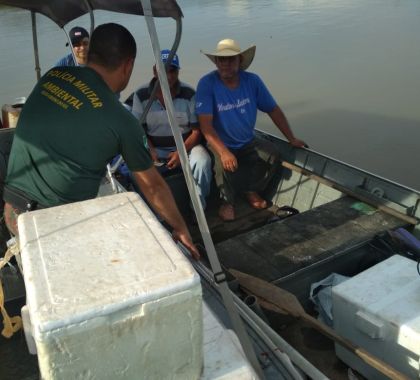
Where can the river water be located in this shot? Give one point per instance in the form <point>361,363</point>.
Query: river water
<point>345,72</point>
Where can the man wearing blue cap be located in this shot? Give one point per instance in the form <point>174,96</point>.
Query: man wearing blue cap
<point>160,138</point>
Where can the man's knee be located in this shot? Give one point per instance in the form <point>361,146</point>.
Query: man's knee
<point>200,159</point>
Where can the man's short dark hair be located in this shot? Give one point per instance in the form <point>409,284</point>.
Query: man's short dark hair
<point>110,45</point>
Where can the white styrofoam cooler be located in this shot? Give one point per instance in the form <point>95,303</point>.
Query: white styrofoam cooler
<point>109,294</point>
<point>224,358</point>
<point>379,310</point>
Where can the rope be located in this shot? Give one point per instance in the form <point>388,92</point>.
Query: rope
<point>10,324</point>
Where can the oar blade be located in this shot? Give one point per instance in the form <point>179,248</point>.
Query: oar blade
<point>269,293</point>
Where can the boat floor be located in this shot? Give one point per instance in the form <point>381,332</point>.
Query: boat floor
<point>315,347</point>
<point>260,244</point>
<point>247,219</point>
<point>16,361</point>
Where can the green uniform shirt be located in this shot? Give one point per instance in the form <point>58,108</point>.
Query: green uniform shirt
<point>71,126</point>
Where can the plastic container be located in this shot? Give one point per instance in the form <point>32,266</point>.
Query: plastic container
<point>109,294</point>
<point>379,310</point>
<point>10,113</point>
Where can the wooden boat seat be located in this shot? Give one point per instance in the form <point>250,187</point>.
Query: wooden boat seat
<point>278,249</point>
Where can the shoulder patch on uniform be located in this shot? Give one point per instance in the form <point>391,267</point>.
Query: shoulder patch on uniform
<point>145,143</point>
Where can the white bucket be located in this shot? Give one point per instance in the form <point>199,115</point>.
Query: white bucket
<point>10,113</point>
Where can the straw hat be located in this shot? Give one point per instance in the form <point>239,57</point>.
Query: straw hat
<point>230,48</point>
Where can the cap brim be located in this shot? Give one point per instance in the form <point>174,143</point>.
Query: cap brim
<point>172,65</point>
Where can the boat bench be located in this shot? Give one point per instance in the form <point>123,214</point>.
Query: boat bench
<point>281,248</point>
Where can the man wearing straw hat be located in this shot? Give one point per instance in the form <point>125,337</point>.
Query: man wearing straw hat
<point>227,101</point>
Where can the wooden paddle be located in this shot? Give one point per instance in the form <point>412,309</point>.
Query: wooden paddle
<point>281,301</point>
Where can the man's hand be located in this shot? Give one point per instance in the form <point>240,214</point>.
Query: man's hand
<point>185,238</point>
<point>298,143</point>
<point>173,160</point>
<point>229,161</point>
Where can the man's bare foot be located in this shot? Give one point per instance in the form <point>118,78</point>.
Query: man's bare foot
<point>255,200</point>
<point>227,212</point>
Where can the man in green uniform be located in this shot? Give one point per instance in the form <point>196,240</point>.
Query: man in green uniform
<point>72,125</point>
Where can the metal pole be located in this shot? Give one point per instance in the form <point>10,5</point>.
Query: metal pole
<point>92,17</point>
<point>202,223</point>
<point>35,42</point>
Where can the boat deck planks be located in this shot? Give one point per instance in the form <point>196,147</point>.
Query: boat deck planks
<point>303,239</point>
<point>246,219</point>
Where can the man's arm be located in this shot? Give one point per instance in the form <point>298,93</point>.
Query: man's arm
<point>160,197</point>
<point>279,119</point>
<point>228,160</point>
<point>191,141</point>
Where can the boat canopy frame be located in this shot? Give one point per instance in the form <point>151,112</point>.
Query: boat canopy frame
<point>62,12</point>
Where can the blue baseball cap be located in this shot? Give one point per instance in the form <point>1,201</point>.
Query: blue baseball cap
<point>164,54</point>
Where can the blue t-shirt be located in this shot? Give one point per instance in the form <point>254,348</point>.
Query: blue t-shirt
<point>66,61</point>
<point>234,111</point>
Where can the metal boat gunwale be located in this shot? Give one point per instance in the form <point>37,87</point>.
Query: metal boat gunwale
<point>337,161</point>
<point>400,197</point>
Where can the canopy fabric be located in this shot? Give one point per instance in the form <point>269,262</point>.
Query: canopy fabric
<point>64,11</point>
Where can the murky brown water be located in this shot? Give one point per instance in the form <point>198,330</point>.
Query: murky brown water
<point>346,72</point>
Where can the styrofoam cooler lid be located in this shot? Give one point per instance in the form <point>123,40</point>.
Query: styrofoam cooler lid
<point>95,257</point>
<point>388,291</point>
